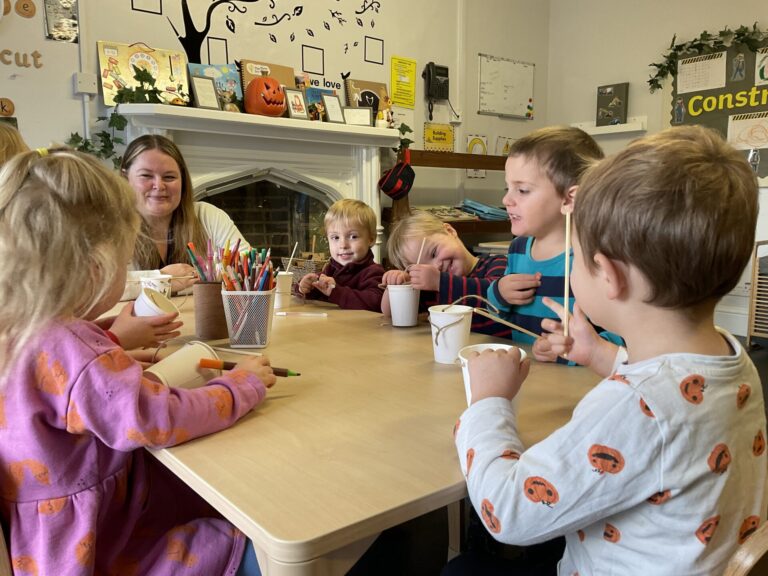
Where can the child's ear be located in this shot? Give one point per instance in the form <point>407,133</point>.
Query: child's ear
<point>613,275</point>
<point>450,230</point>
<point>570,196</point>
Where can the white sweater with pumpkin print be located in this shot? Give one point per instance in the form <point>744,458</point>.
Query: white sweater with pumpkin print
<point>662,467</point>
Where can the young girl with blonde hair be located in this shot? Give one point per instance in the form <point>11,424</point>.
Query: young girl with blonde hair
<point>78,494</point>
<point>11,142</point>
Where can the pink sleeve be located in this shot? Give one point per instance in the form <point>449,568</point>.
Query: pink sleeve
<point>113,401</point>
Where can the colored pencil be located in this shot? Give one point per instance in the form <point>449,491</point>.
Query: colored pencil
<point>226,365</point>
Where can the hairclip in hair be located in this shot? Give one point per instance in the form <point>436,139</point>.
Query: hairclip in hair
<point>42,151</point>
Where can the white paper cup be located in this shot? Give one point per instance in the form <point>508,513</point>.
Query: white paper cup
<point>182,368</point>
<point>283,290</point>
<point>152,303</point>
<point>463,357</point>
<point>451,324</point>
<point>159,282</point>
<point>403,304</point>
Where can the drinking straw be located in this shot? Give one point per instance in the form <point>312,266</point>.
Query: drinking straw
<point>290,260</point>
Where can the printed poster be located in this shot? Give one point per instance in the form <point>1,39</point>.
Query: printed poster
<point>403,82</point>
<point>438,137</point>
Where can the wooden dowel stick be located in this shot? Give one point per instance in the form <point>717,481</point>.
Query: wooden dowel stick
<point>567,271</point>
<point>484,312</point>
<point>418,258</point>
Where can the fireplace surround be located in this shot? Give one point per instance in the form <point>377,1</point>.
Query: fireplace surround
<point>225,150</point>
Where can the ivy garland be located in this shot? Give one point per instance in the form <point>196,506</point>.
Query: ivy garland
<point>706,43</point>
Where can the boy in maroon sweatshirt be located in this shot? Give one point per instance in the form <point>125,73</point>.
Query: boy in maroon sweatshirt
<point>351,278</point>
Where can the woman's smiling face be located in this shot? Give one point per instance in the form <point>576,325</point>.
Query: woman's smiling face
<point>156,178</point>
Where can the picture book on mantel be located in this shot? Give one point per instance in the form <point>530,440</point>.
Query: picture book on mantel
<point>368,94</point>
<point>226,77</point>
<point>250,69</point>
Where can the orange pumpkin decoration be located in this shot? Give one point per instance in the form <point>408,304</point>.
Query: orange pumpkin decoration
<point>264,96</point>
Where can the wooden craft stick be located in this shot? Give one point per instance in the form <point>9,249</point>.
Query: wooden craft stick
<point>567,271</point>
<point>484,312</point>
<point>418,258</point>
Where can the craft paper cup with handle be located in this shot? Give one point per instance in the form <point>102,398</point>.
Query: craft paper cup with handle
<point>159,282</point>
<point>403,304</point>
<point>450,330</point>
<point>283,290</point>
<point>152,303</point>
<point>182,368</point>
<point>464,354</point>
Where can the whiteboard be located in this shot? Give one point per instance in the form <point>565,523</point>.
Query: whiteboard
<point>505,87</point>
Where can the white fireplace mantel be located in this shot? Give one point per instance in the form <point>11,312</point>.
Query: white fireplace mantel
<point>217,144</point>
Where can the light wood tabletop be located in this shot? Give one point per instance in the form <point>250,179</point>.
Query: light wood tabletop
<point>360,442</point>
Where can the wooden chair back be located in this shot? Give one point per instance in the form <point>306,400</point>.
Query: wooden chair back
<point>5,557</point>
<point>751,558</point>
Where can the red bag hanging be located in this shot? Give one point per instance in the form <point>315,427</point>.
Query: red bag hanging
<point>397,181</point>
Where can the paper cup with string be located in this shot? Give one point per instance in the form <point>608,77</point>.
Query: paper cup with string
<point>182,368</point>
<point>159,282</point>
<point>466,352</point>
<point>152,303</point>
<point>451,324</point>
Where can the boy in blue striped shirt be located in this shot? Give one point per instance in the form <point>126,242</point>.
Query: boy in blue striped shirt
<point>542,174</point>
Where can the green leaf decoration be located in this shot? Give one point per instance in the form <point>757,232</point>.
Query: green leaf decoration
<point>706,43</point>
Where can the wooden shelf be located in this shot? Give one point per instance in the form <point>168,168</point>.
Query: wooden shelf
<point>634,124</point>
<point>463,226</point>
<point>456,160</point>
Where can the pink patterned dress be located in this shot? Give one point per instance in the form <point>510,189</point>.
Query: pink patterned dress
<point>78,495</point>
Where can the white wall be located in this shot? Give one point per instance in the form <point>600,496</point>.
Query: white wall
<point>448,32</point>
<point>593,43</point>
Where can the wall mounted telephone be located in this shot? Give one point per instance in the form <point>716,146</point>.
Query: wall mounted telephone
<point>436,81</point>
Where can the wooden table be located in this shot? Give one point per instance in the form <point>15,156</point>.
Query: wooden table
<point>361,442</point>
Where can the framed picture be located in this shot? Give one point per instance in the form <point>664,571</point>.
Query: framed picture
<point>204,90</point>
<point>297,108</point>
<point>358,116</point>
<point>333,111</point>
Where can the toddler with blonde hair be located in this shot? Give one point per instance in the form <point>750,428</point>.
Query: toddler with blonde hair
<point>351,278</point>
<point>78,492</point>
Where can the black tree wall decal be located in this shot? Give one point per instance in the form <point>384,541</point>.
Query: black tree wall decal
<point>192,39</point>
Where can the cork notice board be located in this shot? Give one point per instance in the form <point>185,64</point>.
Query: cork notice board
<point>505,87</point>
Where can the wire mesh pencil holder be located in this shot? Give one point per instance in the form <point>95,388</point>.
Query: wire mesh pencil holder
<point>249,317</point>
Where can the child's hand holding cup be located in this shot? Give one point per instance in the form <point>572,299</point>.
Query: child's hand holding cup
<point>493,370</point>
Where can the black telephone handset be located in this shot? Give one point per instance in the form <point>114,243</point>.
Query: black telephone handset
<point>436,81</point>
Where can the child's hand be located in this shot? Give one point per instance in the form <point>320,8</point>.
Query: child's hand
<point>425,276</point>
<point>518,289</point>
<point>144,331</point>
<point>496,373</point>
<point>307,282</point>
<point>395,277</point>
<point>582,340</point>
<point>258,365</point>
<point>179,284</point>
<point>325,284</point>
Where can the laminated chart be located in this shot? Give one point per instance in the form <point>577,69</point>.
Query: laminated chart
<point>701,73</point>
<point>747,131</point>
